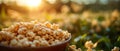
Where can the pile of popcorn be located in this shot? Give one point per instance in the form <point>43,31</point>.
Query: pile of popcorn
<point>32,34</point>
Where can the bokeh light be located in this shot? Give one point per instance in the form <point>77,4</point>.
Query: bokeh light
<point>29,3</point>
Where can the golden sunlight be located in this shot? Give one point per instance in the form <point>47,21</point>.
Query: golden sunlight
<point>30,3</point>
<point>33,3</point>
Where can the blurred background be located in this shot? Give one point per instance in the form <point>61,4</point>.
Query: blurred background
<point>95,20</point>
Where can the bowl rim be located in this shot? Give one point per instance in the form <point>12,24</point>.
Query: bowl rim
<point>39,47</point>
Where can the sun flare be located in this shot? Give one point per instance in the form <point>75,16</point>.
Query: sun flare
<point>30,3</point>
<point>33,3</point>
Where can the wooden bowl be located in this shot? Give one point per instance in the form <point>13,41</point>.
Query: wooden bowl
<point>57,47</point>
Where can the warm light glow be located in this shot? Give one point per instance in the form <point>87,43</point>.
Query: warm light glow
<point>33,3</point>
<point>29,3</point>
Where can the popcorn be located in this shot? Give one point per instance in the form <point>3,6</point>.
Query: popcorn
<point>13,42</point>
<point>36,43</point>
<point>33,34</point>
<point>90,45</point>
<point>22,30</point>
<point>73,48</point>
<point>20,37</point>
<point>26,43</point>
<point>30,34</point>
<point>33,45</point>
<point>19,44</point>
<point>44,43</point>
<point>6,35</point>
<point>55,26</point>
<point>48,24</point>
<point>37,37</point>
<point>115,49</point>
<point>4,43</point>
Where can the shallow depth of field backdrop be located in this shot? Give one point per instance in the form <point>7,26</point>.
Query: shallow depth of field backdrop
<point>95,20</point>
